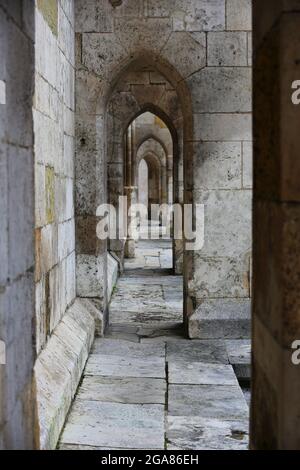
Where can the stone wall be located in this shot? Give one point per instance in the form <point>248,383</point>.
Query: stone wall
<point>18,428</point>
<point>203,50</point>
<point>54,105</point>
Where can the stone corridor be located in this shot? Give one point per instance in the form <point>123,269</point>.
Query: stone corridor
<point>147,387</point>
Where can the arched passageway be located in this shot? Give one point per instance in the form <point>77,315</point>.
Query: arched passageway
<point>192,69</point>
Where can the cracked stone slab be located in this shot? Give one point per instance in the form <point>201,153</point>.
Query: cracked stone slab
<point>196,433</point>
<point>123,390</point>
<point>197,351</point>
<point>119,366</point>
<point>208,401</point>
<point>115,425</point>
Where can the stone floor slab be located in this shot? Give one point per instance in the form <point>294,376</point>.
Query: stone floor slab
<point>115,425</point>
<point>118,366</point>
<point>196,433</point>
<point>127,349</point>
<point>225,402</point>
<point>123,390</point>
<point>200,373</point>
<point>197,351</point>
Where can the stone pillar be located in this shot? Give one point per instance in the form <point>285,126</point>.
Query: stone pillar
<point>275,408</point>
<point>164,185</point>
<point>129,189</point>
<point>131,193</point>
<point>170,178</point>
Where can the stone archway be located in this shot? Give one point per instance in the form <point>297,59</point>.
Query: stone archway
<point>107,152</point>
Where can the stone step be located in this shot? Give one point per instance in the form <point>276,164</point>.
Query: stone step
<point>239,355</point>
<point>221,319</point>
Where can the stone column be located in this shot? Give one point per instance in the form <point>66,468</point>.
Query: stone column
<point>275,408</point>
<point>129,189</point>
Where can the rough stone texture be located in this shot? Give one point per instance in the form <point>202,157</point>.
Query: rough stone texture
<point>227,49</point>
<point>18,424</point>
<point>205,99</point>
<point>224,402</point>
<point>123,390</point>
<point>58,370</point>
<point>135,426</point>
<point>197,433</point>
<point>238,15</point>
<point>146,386</point>
<point>112,274</point>
<point>221,318</point>
<point>200,373</point>
<point>213,352</point>
<point>54,164</point>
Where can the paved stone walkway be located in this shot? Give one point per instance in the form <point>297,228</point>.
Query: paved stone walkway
<point>144,385</point>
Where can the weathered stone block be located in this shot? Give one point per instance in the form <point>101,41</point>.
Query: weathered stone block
<point>200,15</point>
<point>247,164</point>
<point>218,165</point>
<point>239,15</point>
<point>50,194</point>
<point>89,279</point>
<point>221,90</point>
<point>58,371</point>
<point>110,51</point>
<point>66,35</point>
<point>221,318</point>
<point>66,239</point>
<point>179,49</point>
<point>221,278</point>
<point>227,49</point>
<point>222,127</point>
<point>137,34</point>
<point>227,222</point>
<point>112,274</point>
<point>49,10</point>
<point>93,16</point>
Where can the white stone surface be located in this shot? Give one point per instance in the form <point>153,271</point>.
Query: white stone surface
<point>58,371</point>
<point>115,425</point>
<point>123,390</point>
<point>2,92</point>
<point>197,433</point>
<point>200,373</point>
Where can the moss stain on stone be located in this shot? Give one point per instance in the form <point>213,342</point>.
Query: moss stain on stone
<point>49,10</point>
<point>50,198</point>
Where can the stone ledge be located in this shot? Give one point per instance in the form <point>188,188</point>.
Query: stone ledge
<point>112,273</point>
<point>58,370</point>
<point>221,319</point>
